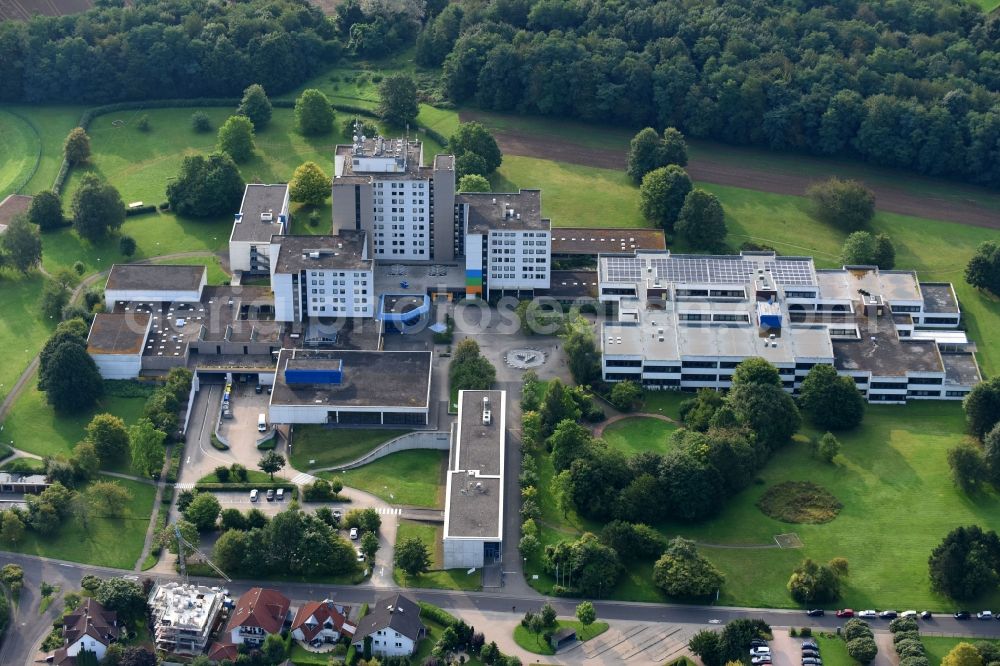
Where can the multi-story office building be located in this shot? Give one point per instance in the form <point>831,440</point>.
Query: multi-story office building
<point>263,214</point>
<point>183,616</point>
<point>684,322</point>
<point>322,276</point>
<point>380,186</point>
<point>506,242</point>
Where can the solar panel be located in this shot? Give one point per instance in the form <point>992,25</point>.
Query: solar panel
<point>792,273</point>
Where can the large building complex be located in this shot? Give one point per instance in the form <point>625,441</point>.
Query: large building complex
<point>507,242</point>
<point>473,512</point>
<point>263,214</point>
<point>381,187</point>
<point>684,322</point>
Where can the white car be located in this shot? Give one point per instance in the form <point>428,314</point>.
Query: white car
<point>985,615</point>
<point>867,613</point>
<point>909,613</point>
<point>361,556</point>
<point>760,659</point>
<point>253,495</point>
<point>760,651</point>
<point>354,534</point>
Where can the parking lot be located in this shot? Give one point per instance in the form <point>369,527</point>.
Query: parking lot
<point>241,430</point>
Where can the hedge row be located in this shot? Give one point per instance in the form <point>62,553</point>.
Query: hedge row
<point>247,486</point>
<point>435,614</point>
<point>38,156</point>
<point>140,210</point>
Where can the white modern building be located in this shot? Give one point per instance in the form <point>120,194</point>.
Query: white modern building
<point>183,616</point>
<point>473,512</point>
<point>153,283</point>
<point>381,186</point>
<point>684,322</point>
<point>322,276</point>
<point>263,214</point>
<point>351,387</point>
<point>116,342</point>
<point>506,242</point>
<point>392,625</point>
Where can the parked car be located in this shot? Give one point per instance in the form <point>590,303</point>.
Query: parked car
<point>845,612</point>
<point>258,389</point>
<point>758,642</point>
<point>253,495</point>
<point>888,615</point>
<point>337,514</point>
<point>761,659</point>
<point>280,495</point>
<point>909,613</point>
<point>926,615</point>
<point>962,615</point>
<point>270,494</point>
<point>354,534</point>
<point>812,661</point>
<point>809,644</point>
<point>361,556</point>
<point>810,653</point>
<point>816,612</point>
<point>984,615</point>
<point>867,613</point>
<point>758,650</point>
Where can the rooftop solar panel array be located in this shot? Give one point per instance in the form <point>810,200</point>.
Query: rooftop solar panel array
<point>710,270</point>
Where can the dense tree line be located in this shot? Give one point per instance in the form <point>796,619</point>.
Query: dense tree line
<point>165,48</point>
<point>897,82</point>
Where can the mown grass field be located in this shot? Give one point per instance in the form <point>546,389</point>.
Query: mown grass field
<point>834,651</point>
<point>639,433</point>
<point>437,578</point>
<point>107,542</point>
<point>315,446</point>
<point>414,478</point>
<point>33,425</point>
<point>939,646</point>
<point>23,329</point>
<point>899,501</point>
<point>21,146</point>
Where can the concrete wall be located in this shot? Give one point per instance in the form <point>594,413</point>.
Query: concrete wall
<point>424,439</point>
<point>195,386</point>
<point>118,366</point>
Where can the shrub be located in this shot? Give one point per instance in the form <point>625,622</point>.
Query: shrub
<point>200,122</point>
<point>862,649</point>
<point>846,204</point>
<point>143,123</point>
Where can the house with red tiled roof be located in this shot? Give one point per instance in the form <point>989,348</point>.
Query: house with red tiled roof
<point>320,622</point>
<point>90,627</point>
<point>220,651</point>
<point>258,613</point>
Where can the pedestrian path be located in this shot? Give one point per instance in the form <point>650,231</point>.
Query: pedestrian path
<point>303,479</point>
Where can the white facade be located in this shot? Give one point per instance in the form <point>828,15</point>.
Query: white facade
<point>401,227</point>
<point>87,642</point>
<point>339,293</point>
<point>263,213</point>
<point>518,260</point>
<point>389,643</point>
<point>184,616</point>
<point>111,296</point>
<point>118,366</point>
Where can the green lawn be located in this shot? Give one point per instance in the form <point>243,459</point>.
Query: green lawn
<point>639,433</point>
<point>834,651</point>
<point>537,644</point>
<point>317,446</point>
<point>107,542</point>
<point>939,646</point>
<point>893,478</point>
<point>412,478</point>
<point>436,578</point>
<point>23,331</point>
<point>34,426</point>
<point>52,124</point>
<point>21,146</point>
<point>303,657</point>
<point>667,403</point>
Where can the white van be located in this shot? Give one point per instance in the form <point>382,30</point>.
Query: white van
<point>261,422</point>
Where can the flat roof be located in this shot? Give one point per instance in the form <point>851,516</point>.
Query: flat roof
<point>118,333</point>
<point>939,297</point>
<point>883,353</point>
<point>407,157</point>
<point>572,284</point>
<point>585,241</point>
<point>475,480</point>
<point>155,277</point>
<point>845,283</point>
<point>961,369</point>
<point>741,269</point>
<point>370,379</point>
<point>259,200</point>
<point>344,251</point>
<point>521,210</point>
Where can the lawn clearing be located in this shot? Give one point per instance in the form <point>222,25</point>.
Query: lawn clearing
<point>106,542</point>
<point>35,427</point>
<point>52,124</point>
<point>667,403</point>
<point>316,446</point>
<point>537,644</point>
<point>799,502</point>
<point>437,578</point>
<point>939,646</point>
<point>303,657</point>
<point>21,147</point>
<point>414,478</point>
<point>23,331</point>
<point>834,651</point>
<point>639,433</point>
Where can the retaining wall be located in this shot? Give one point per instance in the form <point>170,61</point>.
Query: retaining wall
<point>440,441</point>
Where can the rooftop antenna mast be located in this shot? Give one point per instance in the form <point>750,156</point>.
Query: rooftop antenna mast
<point>181,544</point>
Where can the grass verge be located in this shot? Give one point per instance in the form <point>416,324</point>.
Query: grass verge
<point>437,578</point>
<point>537,644</point>
<point>639,433</point>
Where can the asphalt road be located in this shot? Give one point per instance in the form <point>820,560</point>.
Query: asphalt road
<point>29,627</point>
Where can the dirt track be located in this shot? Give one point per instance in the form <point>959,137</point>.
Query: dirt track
<point>888,198</point>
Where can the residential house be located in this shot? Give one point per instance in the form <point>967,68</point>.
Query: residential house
<point>393,625</point>
<point>89,627</point>
<point>258,613</point>
<point>322,622</point>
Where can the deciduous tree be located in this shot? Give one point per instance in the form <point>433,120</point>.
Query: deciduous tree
<point>271,462</point>
<point>683,572</point>
<point>71,379</point>
<point>203,512</point>
<point>236,138</point>
<point>983,269</point>
<point>206,186</point>
<point>756,370</point>
<point>412,557</point>
<point>662,195</point>
<point>146,447</point>
<point>845,204</point>
<point>828,447</point>
<point>473,182</point>
<point>982,407</point>
<point>476,139</point>
<point>22,244</point>
<point>313,113</point>
<point>309,185</point>
<point>109,498</point>
<point>256,106</point>
<point>76,148</point>
<point>123,597</point>
<point>963,654</point>
<point>46,211</point>
<point>397,104</point>
<point>109,436</point>
<point>968,466</point>
<point>965,564</point>
<point>97,208</point>
<point>701,221</point>
<point>831,401</point>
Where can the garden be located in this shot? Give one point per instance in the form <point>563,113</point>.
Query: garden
<point>410,478</point>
